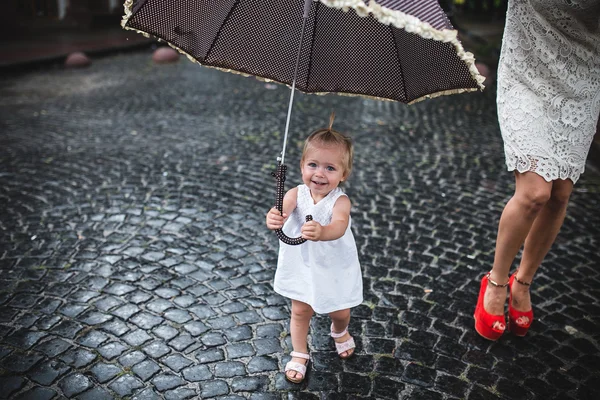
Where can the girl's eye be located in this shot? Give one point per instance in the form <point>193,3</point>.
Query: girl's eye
<point>330,168</point>
<point>312,164</point>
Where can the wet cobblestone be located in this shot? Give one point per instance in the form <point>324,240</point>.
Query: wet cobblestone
<point>134,261</point>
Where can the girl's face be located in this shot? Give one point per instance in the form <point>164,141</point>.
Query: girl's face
<point>323,169</point>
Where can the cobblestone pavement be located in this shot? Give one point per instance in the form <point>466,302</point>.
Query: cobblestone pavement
<point>135,262</point>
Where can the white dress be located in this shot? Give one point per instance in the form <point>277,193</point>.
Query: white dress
<point>549,85</point>
<point>324,274</point>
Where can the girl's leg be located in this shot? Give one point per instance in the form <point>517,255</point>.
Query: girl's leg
<point>299,324</point>
<point>340,320</point>
<point>540,239</point>
<point>531,194</point>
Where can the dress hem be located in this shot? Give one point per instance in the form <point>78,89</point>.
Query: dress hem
<point>574,179</point>
<point>320,311</point>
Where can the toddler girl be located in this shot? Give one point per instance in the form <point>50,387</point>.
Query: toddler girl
<point>323,274</point>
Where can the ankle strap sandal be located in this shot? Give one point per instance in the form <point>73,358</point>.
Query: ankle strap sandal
<point>346,346</point>
<point>296,366</point>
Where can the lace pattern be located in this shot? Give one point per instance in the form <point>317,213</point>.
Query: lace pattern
<point>549,85</point>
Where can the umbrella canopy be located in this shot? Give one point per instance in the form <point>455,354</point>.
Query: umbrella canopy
<point>404,50</point>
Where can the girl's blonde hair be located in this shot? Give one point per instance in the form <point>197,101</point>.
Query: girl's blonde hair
<point>330,137</point>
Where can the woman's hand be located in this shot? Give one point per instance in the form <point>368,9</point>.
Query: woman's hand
<point>274,219</point>
<point>312,230</point>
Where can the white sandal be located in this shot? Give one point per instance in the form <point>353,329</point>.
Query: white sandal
<point>296,366</point>
<point>343,346</point>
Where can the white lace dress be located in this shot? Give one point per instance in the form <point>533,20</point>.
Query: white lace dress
<point>549,85</point>
<point>324,274</point>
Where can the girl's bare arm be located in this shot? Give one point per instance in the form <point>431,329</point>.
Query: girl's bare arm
<point>312,230</point>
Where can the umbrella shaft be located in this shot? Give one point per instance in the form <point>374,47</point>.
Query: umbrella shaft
<point>307,4</point>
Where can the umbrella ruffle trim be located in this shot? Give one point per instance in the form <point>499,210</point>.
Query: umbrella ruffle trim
<point>362,10</point>
<point>413,25</point>
<point>127,5</point>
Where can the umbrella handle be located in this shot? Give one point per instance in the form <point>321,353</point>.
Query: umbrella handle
<point>279,175</point>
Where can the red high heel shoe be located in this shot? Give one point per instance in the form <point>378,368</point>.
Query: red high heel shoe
<point>487,325</point>
<point>518,321</point>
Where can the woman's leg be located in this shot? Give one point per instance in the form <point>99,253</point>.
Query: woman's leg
<point>531,195</point>
<point>540,239</point>
<point>299,324</point>
<point>340,320</point>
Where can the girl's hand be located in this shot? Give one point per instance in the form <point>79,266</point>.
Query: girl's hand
<point>312,230</point>
<point>275,220</point>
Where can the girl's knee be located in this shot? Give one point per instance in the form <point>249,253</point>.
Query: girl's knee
<point>301,310</point>
<point>340,314</point>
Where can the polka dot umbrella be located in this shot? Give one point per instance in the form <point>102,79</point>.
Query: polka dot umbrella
<point>401,50</point>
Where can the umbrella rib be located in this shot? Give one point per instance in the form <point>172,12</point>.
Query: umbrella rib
<point>399,63</point>
<point>138,5</point>
<point>212,45</point>
<point>307,5</point>
<point>312,45</point>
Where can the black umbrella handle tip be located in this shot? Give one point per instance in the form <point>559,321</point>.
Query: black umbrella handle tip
<point>279,175</point>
